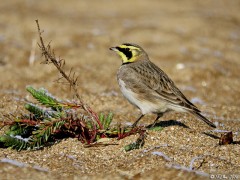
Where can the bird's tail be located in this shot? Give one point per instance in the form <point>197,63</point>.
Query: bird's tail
<point>198,115</point>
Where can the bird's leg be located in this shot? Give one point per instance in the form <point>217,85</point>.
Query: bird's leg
<point>156,120</point>
<point>135,123</point>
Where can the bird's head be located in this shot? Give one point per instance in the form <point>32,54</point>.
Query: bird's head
<point>130,52</point>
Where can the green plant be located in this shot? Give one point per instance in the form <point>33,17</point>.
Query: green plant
<point>47,124</point>
<point>50,120</point>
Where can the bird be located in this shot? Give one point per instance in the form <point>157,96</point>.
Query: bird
<point>148,87</point>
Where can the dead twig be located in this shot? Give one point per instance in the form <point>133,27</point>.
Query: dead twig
<point>71,78</point>
<point>33,52</point>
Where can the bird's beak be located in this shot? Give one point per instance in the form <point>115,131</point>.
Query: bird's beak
<point>113,48</point>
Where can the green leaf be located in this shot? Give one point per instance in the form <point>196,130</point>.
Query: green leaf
<point>108,120</point>
<point>38,112</point>
<point>156,128</point>
<point>136,145</point>
<point>43,97</point>
<point>15,129</point>
<point>15,143</point>
<point>101,118</point>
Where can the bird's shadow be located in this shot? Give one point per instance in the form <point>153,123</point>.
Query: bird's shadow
<point>168,123</point>
<point>177,123</point>
<point>236,142</point>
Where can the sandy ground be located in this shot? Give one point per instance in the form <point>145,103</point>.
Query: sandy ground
<point>196,42</point>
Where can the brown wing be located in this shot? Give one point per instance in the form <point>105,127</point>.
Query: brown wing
<point>157,80</point>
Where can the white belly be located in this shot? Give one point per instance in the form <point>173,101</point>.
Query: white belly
<point>144,105</point>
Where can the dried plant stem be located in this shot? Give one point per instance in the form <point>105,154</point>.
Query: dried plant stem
<point>33,52</point>
<point>70,78</point>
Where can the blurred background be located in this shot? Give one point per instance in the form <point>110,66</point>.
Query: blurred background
<point>197,43</point>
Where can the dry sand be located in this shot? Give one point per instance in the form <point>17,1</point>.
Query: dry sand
<point>196,42</point>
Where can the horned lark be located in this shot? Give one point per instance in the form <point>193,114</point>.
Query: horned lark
<point>147,87</point>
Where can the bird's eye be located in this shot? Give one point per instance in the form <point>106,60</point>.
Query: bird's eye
<point>128,53</point>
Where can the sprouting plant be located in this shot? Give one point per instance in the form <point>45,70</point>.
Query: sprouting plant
<point>47,124</point>
<point>51,119</point>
